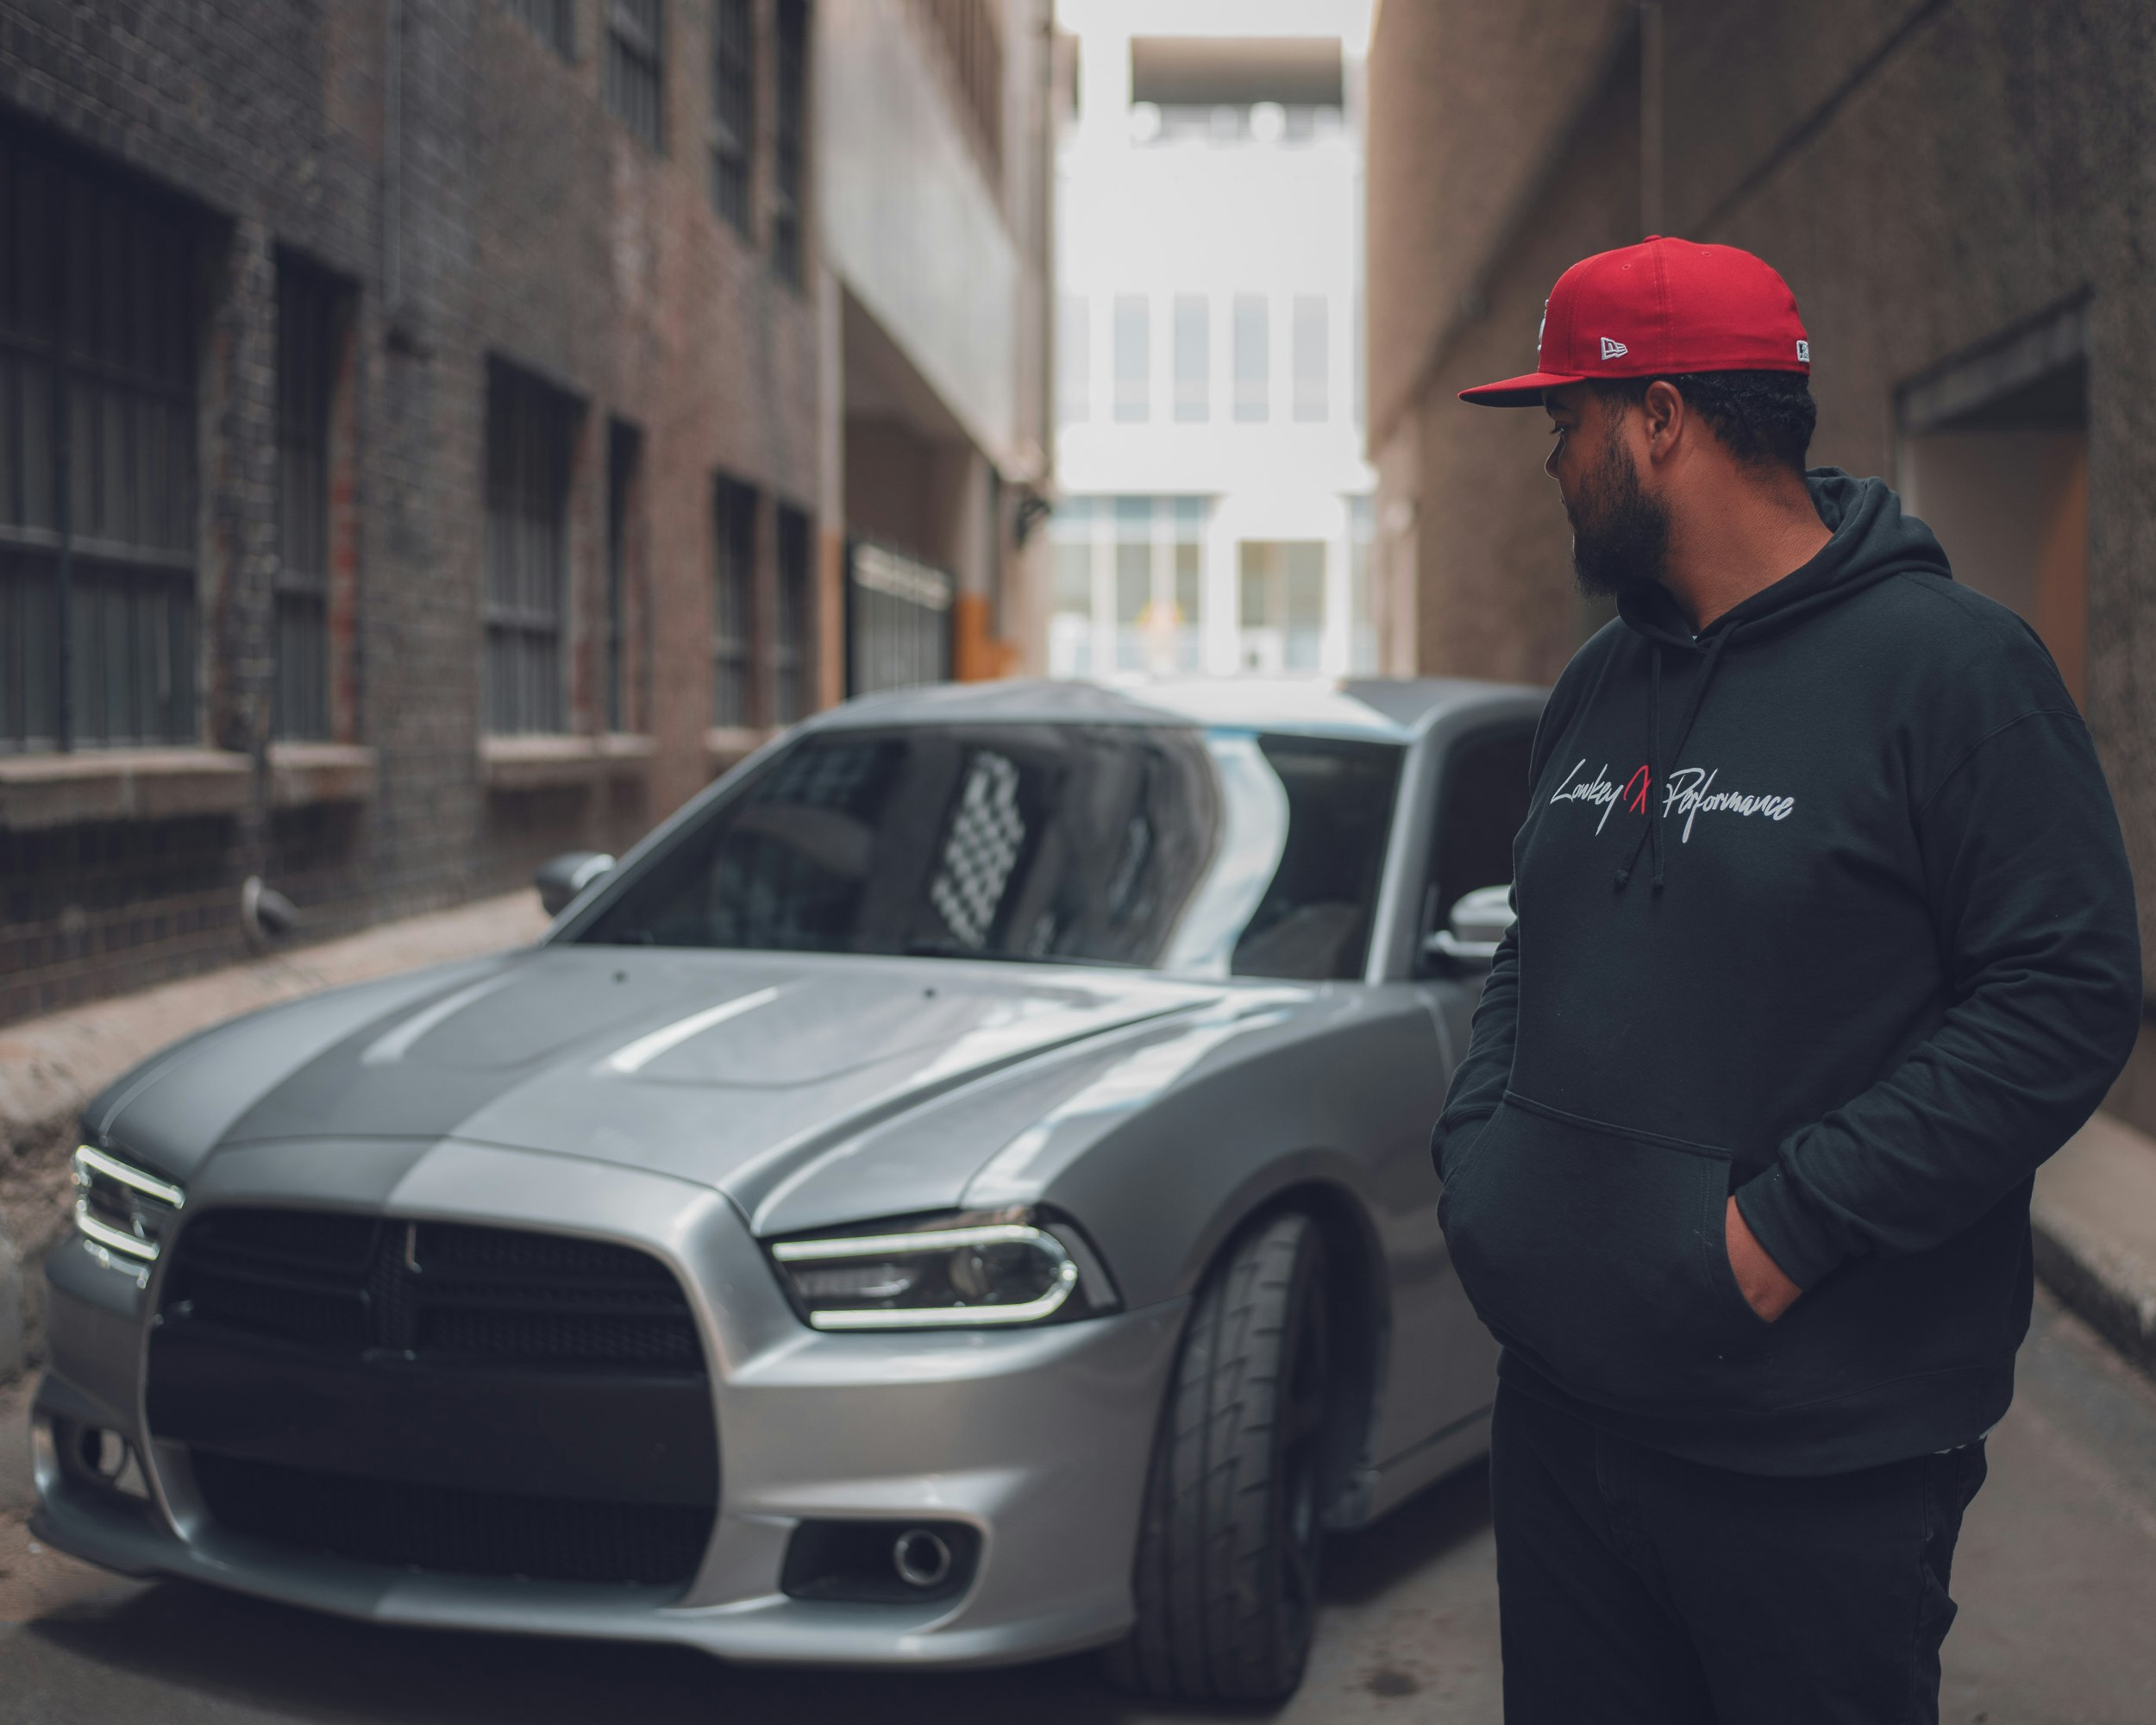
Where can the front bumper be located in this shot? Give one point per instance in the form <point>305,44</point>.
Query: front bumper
<point>1038,1439</point>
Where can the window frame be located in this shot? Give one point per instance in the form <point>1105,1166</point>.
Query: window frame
<point>100,547</point>
<point>1192,344</point>
<point>1251,339</point>
<point>1310,359</point>
<point>526,610</point>
<point>553,22</point>
<point>790,136</point>
<point>733,116</point>
<point>793,681</point>
<point>633,70</point>
<point>1131,336</point>
<point>624,484</point>
<point>310,317</point>
<point>735,533</point>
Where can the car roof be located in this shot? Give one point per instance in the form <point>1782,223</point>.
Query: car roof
<point>1384,709</point>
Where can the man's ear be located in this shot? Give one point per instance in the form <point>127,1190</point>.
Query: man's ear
<point>1663,418</point>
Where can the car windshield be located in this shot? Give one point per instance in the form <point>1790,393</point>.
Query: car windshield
<point>1213,852</point>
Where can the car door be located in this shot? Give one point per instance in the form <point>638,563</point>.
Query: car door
<point>1444,1361</point>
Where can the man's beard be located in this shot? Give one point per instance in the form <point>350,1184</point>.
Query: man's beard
<point>1625,544</point>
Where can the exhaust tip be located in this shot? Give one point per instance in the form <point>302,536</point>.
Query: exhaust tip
<point>922,1558</point>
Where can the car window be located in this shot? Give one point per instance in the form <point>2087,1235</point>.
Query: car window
<point>1215,852</point>
<point>1482,804</point>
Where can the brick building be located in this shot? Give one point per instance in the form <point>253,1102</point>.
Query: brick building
<point>1959,192</point>
<point>437,433</point>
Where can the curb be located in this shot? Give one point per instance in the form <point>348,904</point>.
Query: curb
<point>2093,1225</point>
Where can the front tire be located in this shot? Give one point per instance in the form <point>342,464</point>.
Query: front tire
<point>1227,1565</point>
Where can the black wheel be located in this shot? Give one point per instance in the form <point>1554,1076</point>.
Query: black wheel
<point>1226,1584</point>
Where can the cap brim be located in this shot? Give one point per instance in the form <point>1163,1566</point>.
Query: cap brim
<point>1520,391</point>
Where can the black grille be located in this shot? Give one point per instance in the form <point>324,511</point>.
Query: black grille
<point>466,1532</point>
<point>348,1283</point>
<point>439,1396</point>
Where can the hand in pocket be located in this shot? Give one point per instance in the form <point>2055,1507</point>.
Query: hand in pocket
<point>1759,1278</point>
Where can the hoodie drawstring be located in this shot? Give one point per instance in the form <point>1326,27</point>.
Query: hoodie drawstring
<point>1652,834</point>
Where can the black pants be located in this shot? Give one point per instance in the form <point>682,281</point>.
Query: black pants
<point>1637,1587</point>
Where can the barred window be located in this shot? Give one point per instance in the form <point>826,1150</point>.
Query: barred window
<point>733,600</point>
<point>98,538</point>
<point>625,461</point>
<point>631,71</point>
<point>531,434</point>
<point>733,109</point>
<point>549,20</point>
<point>791,141</point>
<point>306,359</point>
<point>793,678</point>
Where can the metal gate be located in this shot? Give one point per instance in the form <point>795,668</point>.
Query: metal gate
<point>897,620</point>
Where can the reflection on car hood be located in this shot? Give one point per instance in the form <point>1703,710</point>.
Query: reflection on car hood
<point>740,1070</point>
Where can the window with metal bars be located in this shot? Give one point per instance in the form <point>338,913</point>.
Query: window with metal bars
<point>790,142</point>
<point>549,20</point>
<point>635,39</point>
<point>624,460</point>
<point>306,369</point>
<point>530,436</point>
<point>792,675</point>
<point>733,109</point>
<point>98,613</point>
<point>733,601</point>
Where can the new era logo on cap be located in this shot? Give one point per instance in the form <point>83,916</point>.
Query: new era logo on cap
<point>1683,307</point>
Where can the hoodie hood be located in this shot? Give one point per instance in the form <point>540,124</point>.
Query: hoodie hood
<point>1872,540</point>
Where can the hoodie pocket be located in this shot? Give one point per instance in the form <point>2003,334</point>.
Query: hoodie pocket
<point>1599,1256</point>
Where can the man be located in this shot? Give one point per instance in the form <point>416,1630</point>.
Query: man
<point>1825,940</point>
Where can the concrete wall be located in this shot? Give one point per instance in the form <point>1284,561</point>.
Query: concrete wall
<point>912,223</point>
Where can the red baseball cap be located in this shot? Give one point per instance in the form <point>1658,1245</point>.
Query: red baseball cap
<point>1657,308</point>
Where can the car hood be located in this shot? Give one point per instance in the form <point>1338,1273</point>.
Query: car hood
<point>740,1070</point>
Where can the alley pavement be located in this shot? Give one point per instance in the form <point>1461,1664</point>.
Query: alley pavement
<point>2056,1576</point>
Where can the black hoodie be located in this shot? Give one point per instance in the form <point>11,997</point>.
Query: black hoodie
<point>1825,906</point>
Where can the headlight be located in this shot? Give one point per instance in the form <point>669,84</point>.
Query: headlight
<point>122,1212</point>
<point>1001,1267</point>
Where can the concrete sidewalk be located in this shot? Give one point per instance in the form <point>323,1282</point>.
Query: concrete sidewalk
<point>49,1067</point>
<point>2095,1222</point>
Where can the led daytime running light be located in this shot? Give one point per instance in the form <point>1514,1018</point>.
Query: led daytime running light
<point>91,1165</point>
<point>148,1184</point>
<point>930,1241</point>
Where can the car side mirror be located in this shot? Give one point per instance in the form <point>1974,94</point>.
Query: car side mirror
<point>1478,922</point>
<point>561,878</point>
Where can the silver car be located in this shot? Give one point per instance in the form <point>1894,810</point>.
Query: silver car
<point>956,1192</point>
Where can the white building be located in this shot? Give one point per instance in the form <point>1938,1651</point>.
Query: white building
<point>1215,504</point>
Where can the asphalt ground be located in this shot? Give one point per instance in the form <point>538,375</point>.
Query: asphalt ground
<point>2056,1576</point>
